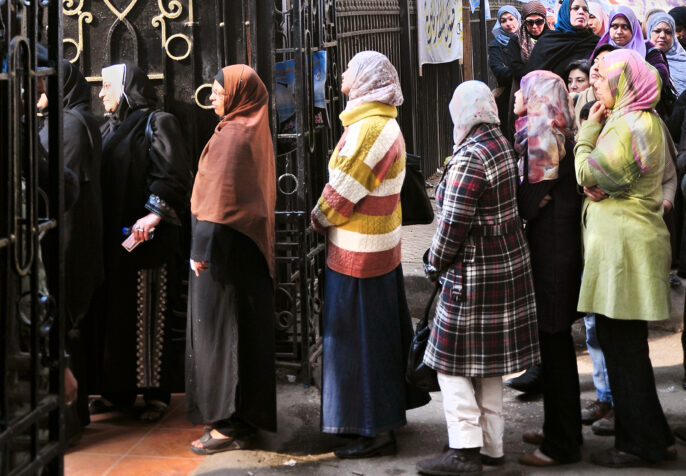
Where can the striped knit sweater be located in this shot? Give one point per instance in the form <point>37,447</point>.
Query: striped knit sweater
<point>360,205</point>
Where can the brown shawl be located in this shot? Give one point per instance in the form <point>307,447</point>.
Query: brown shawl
<point>236,180</point>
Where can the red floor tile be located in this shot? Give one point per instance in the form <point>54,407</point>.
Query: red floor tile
<point>168,442</point>
<point>87,464</point>
<point>176,418</point>
<point>142,465</point>
<point>110,439</point>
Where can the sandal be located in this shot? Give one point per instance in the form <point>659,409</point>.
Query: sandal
<point>101,405</point>
<point>216,445</point>
<point>153,411</point>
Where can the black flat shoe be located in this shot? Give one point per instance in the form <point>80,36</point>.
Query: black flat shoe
<point>613,458</point>
<point>530,382</point>
<point>491,461</point>
<point>366,447</point>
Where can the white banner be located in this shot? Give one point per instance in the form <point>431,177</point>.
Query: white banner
<point>439,31</point>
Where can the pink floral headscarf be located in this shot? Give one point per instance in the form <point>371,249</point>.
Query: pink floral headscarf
<point>472,104</point>
<point>375,79</point>
<point>540,135</point>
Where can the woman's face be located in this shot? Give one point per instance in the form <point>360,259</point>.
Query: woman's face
<point>107,96</point>
<point>595,24</point>
<point>519,105</point>
<point>681,35</point>
<point>577,81</point>
<point>593,77</point>
<point>509,23</point>
<point>578,14</point>
<point>602,87</point>
<point>534,24</point>
<point>662,36</point>
<point>347,81</point>
<point>217,98</point>
<point>620,31</point>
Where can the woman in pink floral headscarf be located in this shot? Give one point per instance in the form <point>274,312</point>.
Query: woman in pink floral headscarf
<point>549,202</point>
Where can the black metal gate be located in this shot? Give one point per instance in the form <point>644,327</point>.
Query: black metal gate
<point>32,353</point>
<point>389,26</point>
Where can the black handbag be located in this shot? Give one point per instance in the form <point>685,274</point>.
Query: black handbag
<point>418,373</point>
<point>416,206</point>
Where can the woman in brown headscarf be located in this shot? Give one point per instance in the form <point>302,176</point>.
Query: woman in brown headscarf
<point>230,378</point>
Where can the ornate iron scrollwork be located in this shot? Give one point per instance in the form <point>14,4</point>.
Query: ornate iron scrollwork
<point>70,10</point>
<point>175,9</point>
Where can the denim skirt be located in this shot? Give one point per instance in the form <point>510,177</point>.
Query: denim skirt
<point>367,333</point>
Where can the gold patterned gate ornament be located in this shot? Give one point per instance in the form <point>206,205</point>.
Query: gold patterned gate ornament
<point>171,11</point>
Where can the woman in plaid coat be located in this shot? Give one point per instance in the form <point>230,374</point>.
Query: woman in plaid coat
<point>485,324</point>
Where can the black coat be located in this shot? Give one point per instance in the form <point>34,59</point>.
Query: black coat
<point>82,223</point>
<point>143,173</point>
<point>554,235</point>
<point>499,62</point>
<point>556,49</point>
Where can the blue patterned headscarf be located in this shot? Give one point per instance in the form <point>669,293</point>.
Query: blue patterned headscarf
<point>564,20</point>
<point>500,35</point>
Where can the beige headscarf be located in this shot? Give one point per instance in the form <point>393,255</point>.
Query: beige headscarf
<point>472,104</point>
<point>374,79</point>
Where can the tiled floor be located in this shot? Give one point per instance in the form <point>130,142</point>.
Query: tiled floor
<point>118,444</point>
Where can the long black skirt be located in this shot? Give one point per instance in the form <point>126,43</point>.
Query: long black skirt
<point>367,334</point>
<point>230,369</point>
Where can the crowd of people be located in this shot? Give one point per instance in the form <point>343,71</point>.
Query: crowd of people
<point>559,201</point>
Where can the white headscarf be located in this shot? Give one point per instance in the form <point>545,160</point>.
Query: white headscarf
<point>472,104</point>
<point>374,79</point>
<point>115,75</point>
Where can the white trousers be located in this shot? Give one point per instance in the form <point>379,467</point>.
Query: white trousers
<point>473,410</point>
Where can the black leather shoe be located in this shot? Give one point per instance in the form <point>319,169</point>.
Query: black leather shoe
<point>491,461</point>
<point>680,434</point>
<point>366,447</point>
<point>452,462</point>
<point>529,382</point>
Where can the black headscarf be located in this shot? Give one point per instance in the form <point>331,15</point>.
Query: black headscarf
<point>679,15</point>
<point>76,90</point>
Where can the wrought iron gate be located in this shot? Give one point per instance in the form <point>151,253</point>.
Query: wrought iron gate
<point>305,140</point>
<point>31,317</point>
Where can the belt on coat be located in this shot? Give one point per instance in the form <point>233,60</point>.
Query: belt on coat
<point>504,228</point>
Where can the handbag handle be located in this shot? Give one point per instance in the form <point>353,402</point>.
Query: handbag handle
<point>424,321</point>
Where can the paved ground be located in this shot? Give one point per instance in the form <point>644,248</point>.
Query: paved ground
<point>301,449</point>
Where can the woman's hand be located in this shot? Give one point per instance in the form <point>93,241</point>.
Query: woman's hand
<point>198,266</point>
<point>595,193</point>
<point>545,201</point>
<point>141,229</point>
<point>598,112</point>
<point>667,205</point>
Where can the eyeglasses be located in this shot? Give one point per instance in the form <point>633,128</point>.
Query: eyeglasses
<point>618,26</point>
<point>217,93</point>
<point>666,31</point>
<point>538,22</point>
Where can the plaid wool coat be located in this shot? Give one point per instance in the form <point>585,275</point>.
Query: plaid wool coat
<point>485,323</point>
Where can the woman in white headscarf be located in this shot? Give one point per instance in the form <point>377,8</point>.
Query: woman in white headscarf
<point>366,324</point>
<point>485,324</point>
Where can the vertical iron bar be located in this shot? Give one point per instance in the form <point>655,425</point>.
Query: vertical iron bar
<point>55,273</point>
<point>407,75</point>
<point>484,42</point>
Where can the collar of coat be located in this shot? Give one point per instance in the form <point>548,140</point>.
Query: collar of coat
<point>365,110</point>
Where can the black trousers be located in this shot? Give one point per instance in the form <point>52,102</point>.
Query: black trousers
<point>561,404</point>
<point>641,428</point>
